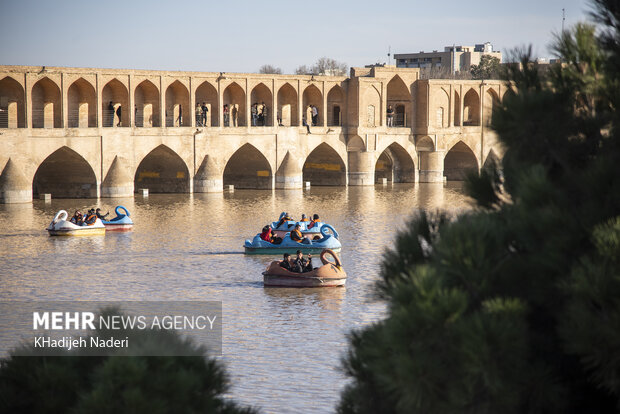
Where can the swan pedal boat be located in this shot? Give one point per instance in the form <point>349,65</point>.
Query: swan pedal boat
<point>288,245</point>
<point>287,226</point>
<point>121,222</point>
<point>331,274</point>
<point>60,226</point>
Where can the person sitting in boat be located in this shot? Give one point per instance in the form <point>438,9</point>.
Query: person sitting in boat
<point>315,220</point>
<point>90,218</point>
<point>300,264</point>
<point>304,218</point>
<point>296,234</point>
<point>266,234</point>
<point>284,219</point>
<point>286,262</point>
<point>101,216</point>
<point>77,218</point>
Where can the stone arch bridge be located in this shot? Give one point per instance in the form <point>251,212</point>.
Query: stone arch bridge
<point>76,132</point>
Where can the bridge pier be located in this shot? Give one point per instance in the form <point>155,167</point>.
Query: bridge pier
<point>361,168</point>
<point>118,182</point>
<point>289,176</point>
<point>431,167</point>
<point>208,179</point>
<point>14,187</point>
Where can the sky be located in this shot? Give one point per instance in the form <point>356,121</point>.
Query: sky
<point>241,36</point>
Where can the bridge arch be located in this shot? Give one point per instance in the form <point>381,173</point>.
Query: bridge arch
<point>162,171</point>
<point>178,112</point>
<point>46,104</point>
<point>442,109</point>
<point>471,108</point>
<point>82,105</point>
<point>312,96</point>
<point>146,98</point>
<point>370,110</point>
<point>399,96</point>
<point>115,95</point>
<point>287,105</point>
<point>492,161</point>
<point>260,95</point>
<point>248,168</point>
<point>65,174</point>
<point>335,106</point>
<point>395,164</point>
<point>12,108</point>
<point>207,94</point>
<point>234,97</point>
<point>324,166</point>
<point>491,100</point>
<point>458,162</point>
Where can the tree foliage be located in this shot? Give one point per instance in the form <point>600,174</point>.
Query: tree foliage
<point>489,68</point>
<point>115,383</point>
<point>270,69</point>
<point>514,307</point>
<point>323,66</point>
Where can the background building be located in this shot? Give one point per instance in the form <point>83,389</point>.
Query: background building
<point>455,58</point>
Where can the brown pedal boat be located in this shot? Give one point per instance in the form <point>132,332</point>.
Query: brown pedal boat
<point>329,275</point>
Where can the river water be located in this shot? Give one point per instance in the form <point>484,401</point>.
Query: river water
<point>282,347</point>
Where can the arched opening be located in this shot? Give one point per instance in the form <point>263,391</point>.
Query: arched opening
<point>146,97</point>
<point>335,101</point>
<point>177,105</point>
<point>12,109</point>
<point>287,106</point>
<point>46,110</point>
<point>261,97</point>
<point>162,171</point>
<point>82,105</point>
<point>396,165</point>
<point>471,109</point>
<point>234,100</point>
<point>458,162</point>
<point>399,96</point>
<point>355,144</point>
<point>115,103</point>
<point>248,168</point>
<point>457,109</point>
<point>424,144</point>
<point>372,101</point>
<point>491,99</point>
<point>65,174</point>
<point>206,96</point>
<point>324,167</point>
<point>442,105</point>
<point>312,97</point>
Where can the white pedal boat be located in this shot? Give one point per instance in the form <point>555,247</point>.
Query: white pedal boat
<point>60,226</point>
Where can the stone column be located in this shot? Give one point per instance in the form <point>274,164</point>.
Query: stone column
<point>99,101</point>
<point>300,102</point>
<point>290,175</point>
<point>14,186</point>
<point>324,111</point>
<point>64,102</point>
<point>162,103</point>
<point>248,103</point>
<point>361,168</point>
<point>220,102</point>
<point>28,101</point>
<point>209,178</point>
<point>131,102</point>
<point>192,103</point>
<point>431,166</point>
<point>274,104</point>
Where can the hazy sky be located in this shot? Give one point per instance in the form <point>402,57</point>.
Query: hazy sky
<point>240,36</point>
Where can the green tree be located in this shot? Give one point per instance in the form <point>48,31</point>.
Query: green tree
<point>489,68</point>
<point>114,383</point>
<point>514,307</point>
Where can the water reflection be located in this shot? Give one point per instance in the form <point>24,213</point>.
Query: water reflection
<point>189,247</point>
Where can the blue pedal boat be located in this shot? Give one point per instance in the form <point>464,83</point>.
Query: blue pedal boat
<point>121,222</point>
<point>287,226</point>
<point>329,241</point>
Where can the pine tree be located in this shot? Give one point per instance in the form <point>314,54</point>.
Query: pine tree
<point>514,307</point>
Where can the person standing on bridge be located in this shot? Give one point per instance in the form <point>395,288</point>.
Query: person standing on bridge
<point>205,111</point>
<point>118,114</point>
<point>390,116</point>
<point>198,115</point>
<point>315,116</point>
<point>226,115</point>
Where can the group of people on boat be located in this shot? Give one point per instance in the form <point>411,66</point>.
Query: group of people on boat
<point>286,217</point>
<point>298,264</point>
<point>296,235</point>
<point>89,218</point>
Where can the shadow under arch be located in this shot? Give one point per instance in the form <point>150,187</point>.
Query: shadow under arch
<point>248,168</point>
<point>395,164</point>
<point>324,166</point>
<point>12,107</point>
<point>162,171</point>
<point>458,162</point>
<point>65,174</point>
